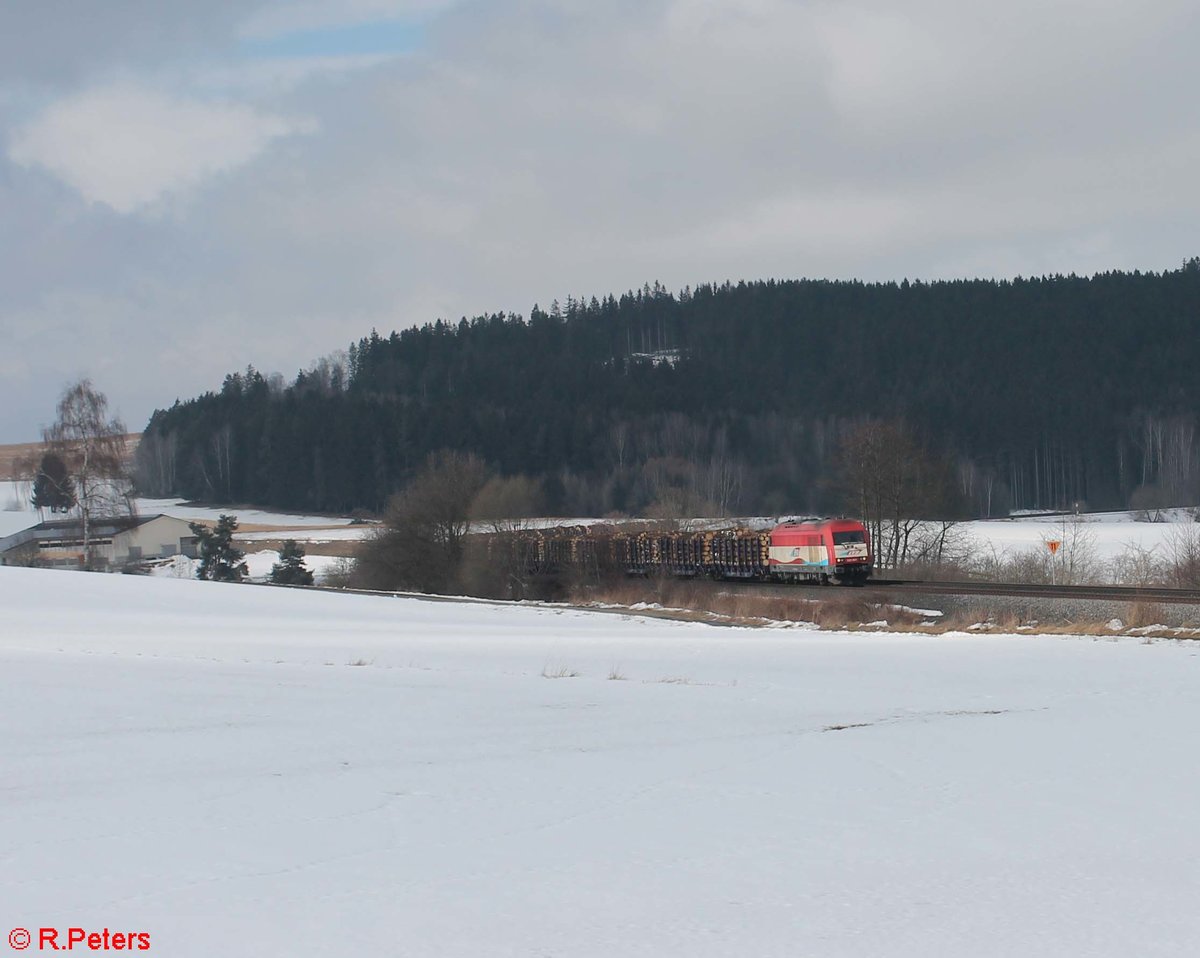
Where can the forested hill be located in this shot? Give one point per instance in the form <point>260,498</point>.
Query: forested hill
<point>1039,392</point>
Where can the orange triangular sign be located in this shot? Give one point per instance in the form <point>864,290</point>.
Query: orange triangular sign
<point>1052,545</point>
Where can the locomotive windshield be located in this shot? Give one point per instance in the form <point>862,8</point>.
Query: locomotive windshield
<point>846,538</point>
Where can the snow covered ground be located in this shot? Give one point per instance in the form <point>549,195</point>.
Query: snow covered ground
<point>16,513</point>
<point>245,517</point>
<point>248,771</point>
<point>312,537</point>
<point>1111,533</point>
<point>258,566</point>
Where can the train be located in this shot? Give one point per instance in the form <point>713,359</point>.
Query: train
<point>826,551</point>
<point>829,550</point>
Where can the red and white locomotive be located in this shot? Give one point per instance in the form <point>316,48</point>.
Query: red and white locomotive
<point>827,550</point>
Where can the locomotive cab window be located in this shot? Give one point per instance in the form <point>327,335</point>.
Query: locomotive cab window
<point>846,538</point>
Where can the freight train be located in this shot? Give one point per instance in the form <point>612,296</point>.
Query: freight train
<point>834,551</point>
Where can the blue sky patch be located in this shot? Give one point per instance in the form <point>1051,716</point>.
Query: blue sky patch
<point>380,37</point>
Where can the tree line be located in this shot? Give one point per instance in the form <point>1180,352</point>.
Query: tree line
<point>1033,393</point>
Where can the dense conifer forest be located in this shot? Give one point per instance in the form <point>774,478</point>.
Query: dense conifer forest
<point>731,399</point>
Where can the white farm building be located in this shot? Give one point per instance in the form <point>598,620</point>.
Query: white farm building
<point>115,542</point>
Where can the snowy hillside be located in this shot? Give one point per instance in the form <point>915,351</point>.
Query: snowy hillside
<point>248,771</point>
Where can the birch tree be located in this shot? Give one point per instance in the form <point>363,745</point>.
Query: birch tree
<point>91,444</point>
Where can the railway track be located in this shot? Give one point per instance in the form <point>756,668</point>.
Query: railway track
<point>1097,593</point>
<point>1094,593</point>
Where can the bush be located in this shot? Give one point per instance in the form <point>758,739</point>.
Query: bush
<point>420,544</point>
<point>290,569</point>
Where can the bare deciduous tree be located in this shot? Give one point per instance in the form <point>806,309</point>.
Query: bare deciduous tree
<point>893,482</point>
<point>420,543</point>
<point>671,487</point>
<point>1169,453</point>
<point>155,463</point>
<point>91,443</point>
<point>1183,555</point>
<point>508,503</point>
<point>1137,565</point>
<point>496,564</point>
<point>1073,561</point>
<point>939,548</point>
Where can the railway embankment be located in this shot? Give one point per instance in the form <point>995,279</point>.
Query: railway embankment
<point>928,607</point>
<point>1045,613</point>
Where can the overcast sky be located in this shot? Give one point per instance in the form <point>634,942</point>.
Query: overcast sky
<point>187,188</point>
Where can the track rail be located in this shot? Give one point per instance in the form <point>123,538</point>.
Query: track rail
<point>1096,593</point>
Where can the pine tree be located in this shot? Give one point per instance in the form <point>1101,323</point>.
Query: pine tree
<point>290,569</point>
<point>53,489</point>
<point>219,559</point>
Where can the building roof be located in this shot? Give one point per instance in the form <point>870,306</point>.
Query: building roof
<point>109,524</point>
<point>71,530</point>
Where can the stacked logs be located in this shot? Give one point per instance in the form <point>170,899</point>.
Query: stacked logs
<point>727,553</point>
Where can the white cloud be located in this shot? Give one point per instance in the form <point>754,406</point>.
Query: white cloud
<point>532,149</point>
<point>128,146</point>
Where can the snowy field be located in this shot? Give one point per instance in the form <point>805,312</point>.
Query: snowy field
<point>258,566</point>
<point>248,771</point>
<point>313,537</point>
<point>1111,533</point>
